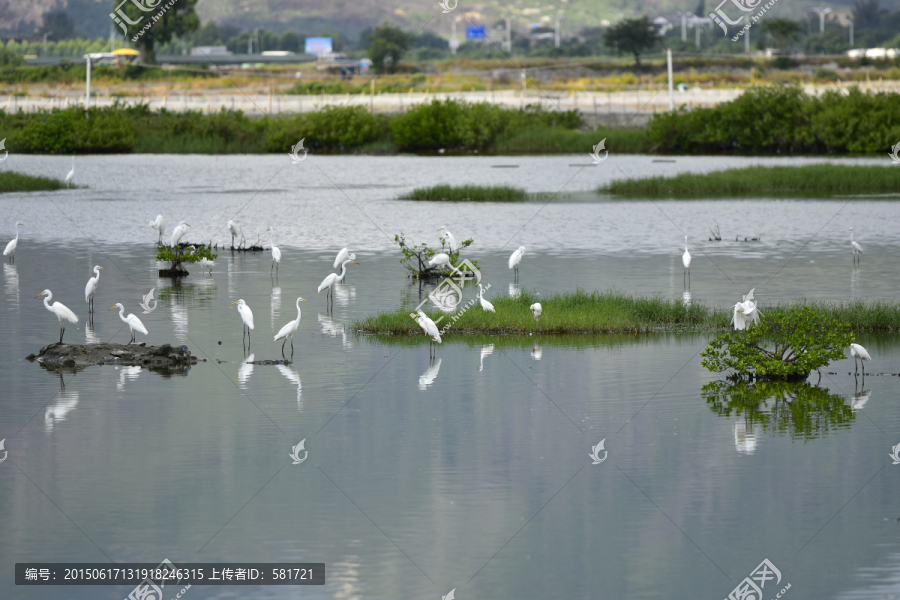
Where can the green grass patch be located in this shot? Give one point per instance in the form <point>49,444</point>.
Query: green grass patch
<point>493,193</point>
<point>11,181</point>
<point>806,180</point>
<point>585,312</point>
<point>554,140</point>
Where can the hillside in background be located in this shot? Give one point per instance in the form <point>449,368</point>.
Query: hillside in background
<point>349,17</point>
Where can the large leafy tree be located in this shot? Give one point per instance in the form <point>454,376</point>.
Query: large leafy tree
<point>782,31</point>
<point>151,23</point>
<point>388,45</point>
<point>634,36</point>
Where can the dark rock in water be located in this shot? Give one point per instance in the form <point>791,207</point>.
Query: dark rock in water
<point>77,356</point>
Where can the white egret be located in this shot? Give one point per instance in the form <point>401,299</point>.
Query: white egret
<point>159,225</point>
<point>289,330</point>
<point>515,258</point>
<point>207,264</point>
<point>246,317</point>
<point>10,250</point>
<point>132,321</point>
<point>333,278</point>
<point>857,249</point>
<point>451,241</point>
<point>343,255</point>
<point>686,261</point>
<point>71,174</point>
<point>60,310</point>
<point>91,288</point>
<point>859,353</point>
<point>179,232</point>
<point>746,313</point>
<point>536,309</point>
<point>431,330</point>
<point>439,260</point>
<point>232,228</point>
<point>276,252</point>
<point>484,303</point>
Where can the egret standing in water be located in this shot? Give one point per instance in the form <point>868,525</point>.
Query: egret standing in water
<point>745,313</point>
<point>515,258</point>
<point>485,305</point>
<point>60,310</point>
<point>71,174</point>
<point>343,255</point>
<point>686,261</point>
<point>246,317</point>
<point>289,330</point>
<point>431,330</point>
<point>859,353</point>
<point>451,241</point>
<point>857,249</point>
<point>536,310</point>
<point>10,250</point>
<point>439,260</point>
<point>179,232</point>
<point>91,288</point>
<point>132,321</point>
<point>276,252</point>
<point>159,225</point>
<point>232,228</point>
<point>333,278</point>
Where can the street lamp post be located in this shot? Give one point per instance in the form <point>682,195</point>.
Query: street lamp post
<point>559,16</point>
<point>821,12</point>
<point>45,41</point>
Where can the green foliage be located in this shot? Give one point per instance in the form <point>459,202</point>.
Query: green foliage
<point>783,119</point>
<point>633,36</point>
<point>495,193</point>
<point>784,346</point>
<point>415,258</point>
<point>332,129</point>
<point>157,26</point>
<point>105,130</point>
<point>801,410</point>
<point>177,256</point>
<point>388,44</point>
<point>10,181</point>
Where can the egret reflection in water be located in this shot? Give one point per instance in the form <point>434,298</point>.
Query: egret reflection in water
<point>859,399</point>
<point>485,351</point>
<point>430,374</point>
<point>537,351</point>
<point>801,410</point>
<point>245,371</point>
<point>56,412</point>
<point>293,376</point>
<point>514,290</point>
<point>744,438</point>
<point>127,373</point>
<point>11,282</point>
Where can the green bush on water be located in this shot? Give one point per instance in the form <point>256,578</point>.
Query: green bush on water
<point>805,180</point>
<point>10,181</point>
<point>467,192</point>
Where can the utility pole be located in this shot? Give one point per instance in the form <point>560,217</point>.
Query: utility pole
<point>851,33</point>
<point>697,33</point>
<point>821,12</point>
<point>669,69</point>
<point>51,33</point>
<point>508,37</point>
<point>559,16</point>
<point>453,41</point>
<point>87,97</point>
<point>684,17</point>
<point>747,36</point>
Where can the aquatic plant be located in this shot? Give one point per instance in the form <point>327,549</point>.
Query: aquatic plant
<point>178,255</point>
<point>786,345</point>
<point>416,258</point>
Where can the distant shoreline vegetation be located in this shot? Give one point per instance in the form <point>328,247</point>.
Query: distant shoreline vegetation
<point>495,193</point>
<point>615,312</point>
<point>777,119</point>
<point>821,180</point>
<point>10,181</point>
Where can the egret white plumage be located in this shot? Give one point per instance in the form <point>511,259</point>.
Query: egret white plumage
<point>484,303</point>
<point>276,252</point>
<point>342,255</point>
<point>686,261</point>
<point>232,228</point>
<point>246,317</point>
<point>71,174</point>
<point>857,249</point>
<point>289,330</point>
<point>333,278</point>
<point>439,260</point>
<point>485,350</point>
<point>159,224</point>
<point>10,250</point>
<point>91,288</point>
<point>60,310</point>
<point>179,232</point>
<point>451,241</point>
<point>536,310</point>
<point>431,330</point>
<point>861,354</point>
<point>515,258</point>
<point>132,321</point>
<point>746,312</point>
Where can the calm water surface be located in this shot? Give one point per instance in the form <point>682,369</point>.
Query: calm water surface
<point>472,472</point>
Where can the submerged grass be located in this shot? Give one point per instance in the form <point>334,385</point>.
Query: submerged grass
<point>807,180</point>
<point>553,140</point>
<point>11,181</point>
<point>493,193</point>
<point>585,312</point>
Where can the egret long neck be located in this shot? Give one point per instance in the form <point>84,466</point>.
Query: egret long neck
<point>298,309</point>
<point>47,300</point>
<point>122,313</point>
<point>343,269</point>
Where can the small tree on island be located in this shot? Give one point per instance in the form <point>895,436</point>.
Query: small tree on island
<point>632,35</point>
<point>388,45</point>
<point>786,345</point>
<point>416,258</point>
<point>177,256</point>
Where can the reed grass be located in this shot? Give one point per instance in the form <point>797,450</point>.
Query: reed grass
<point>806,180</point>
<point>494,193</point>
<point>554,140</point>
<point>11,181</point>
